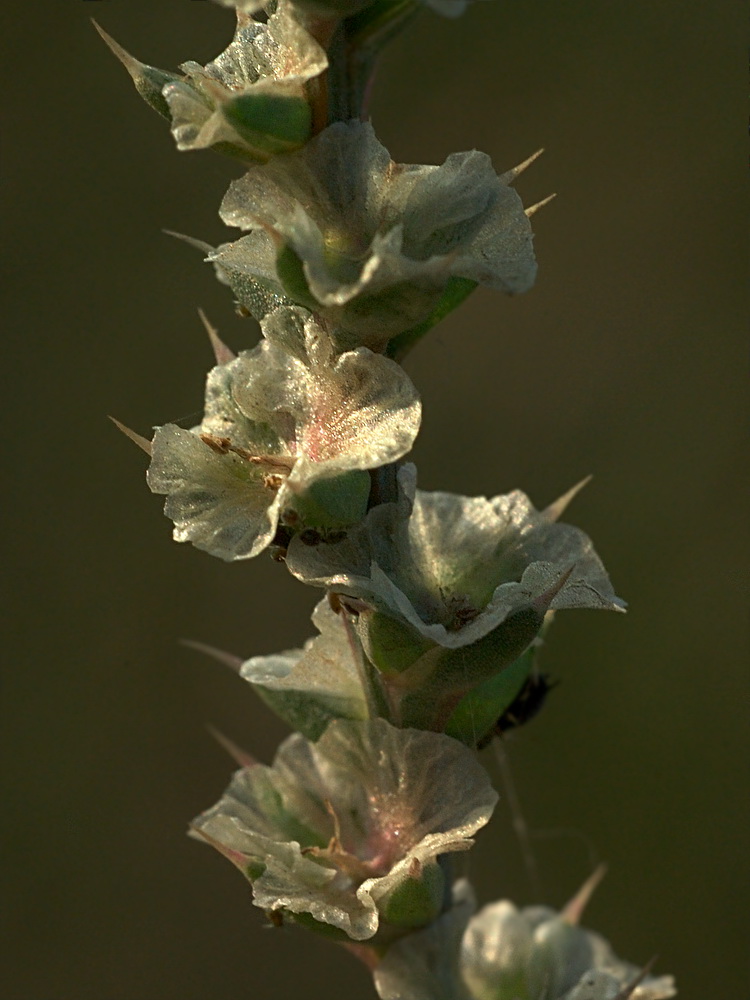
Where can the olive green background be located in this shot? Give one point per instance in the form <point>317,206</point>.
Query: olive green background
<point>624,361</point>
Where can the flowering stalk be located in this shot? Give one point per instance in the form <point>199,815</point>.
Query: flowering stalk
<point>434,604</point>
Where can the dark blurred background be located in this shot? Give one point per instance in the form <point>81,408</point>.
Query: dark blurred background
<point>624,361</point>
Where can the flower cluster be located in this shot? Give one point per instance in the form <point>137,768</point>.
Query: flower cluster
<point>369,244</point>
<point>435,604</point>
<point>348,829</point>
<point>503,953</point>
<point>289,432</point>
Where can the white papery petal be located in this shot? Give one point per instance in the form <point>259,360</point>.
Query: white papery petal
<point>217,502</point>
<point>508,953</point>
<point>378,241</point>
<point>380,782</point>
<point>275,58</point>
<point>497,556</point>
<point>279,418</point>
<point>311,686</point>
<point>357,410</point>
<point>495,951</point>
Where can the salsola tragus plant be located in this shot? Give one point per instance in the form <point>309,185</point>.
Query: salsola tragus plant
<point>433,603</point>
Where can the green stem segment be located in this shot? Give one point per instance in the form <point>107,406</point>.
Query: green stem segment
<point>353,52</point>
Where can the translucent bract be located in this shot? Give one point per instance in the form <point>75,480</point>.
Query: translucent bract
<point>310,687</point>
<point>279,419</point>
<point>334,829</point>
<point>251,98</point>
<point>454,568</point>
<point>371,244</point>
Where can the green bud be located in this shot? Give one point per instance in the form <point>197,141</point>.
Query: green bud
<point>562,954</point>
<point>254,869</point>
<point>390,643</point>
<point>416,901</point>
<point>329,505</point>
<point>325,930</point>
<point>269,123</point>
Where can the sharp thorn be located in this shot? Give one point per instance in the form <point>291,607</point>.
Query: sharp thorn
<point>142,442</point>
<point>533,209</point>
<point>573,911</point>
<point>559,506</point>
<point>510,175</point>
<point>131,64</point>
<point>222,353</point>
<point>191,241</point>
<point>238,755</point>
<point>228,659</point>
<point>628,990</point>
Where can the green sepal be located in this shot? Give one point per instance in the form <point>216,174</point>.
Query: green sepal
<point>149,81</point>
<point>455,292</point>
<point>292,277</point>
<point>318,926</point>
<point>434,685</point>
<point>269,123</point>
<point>478,711</point>
<point>415,901</point>
<point>334,504</point>
<point>150,84</point>
<point>390,644</point>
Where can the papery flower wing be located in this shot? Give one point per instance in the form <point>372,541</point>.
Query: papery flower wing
<point>391,776</point>
<point>539,539</point>
<point>377,242</point>
<point>287,803</point>
<point>296,884</point>
<point>219,502</point>
<point>250,100</point>
<point>507,953</point>
<point>357,410</point>
<point>604,958</point>
<point>460,566</point>
<point>248,266</point>
<point>281,50</point>
<point>600,985</point>
<point>372,786</point>
<point>310,687</point>
<point>594,985</point>
<point>481,223</point>
<point>218,499</point>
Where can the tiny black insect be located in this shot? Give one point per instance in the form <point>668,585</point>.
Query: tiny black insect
<point>523,708</point>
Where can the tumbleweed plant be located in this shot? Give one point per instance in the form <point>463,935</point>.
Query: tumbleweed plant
<point>433,604</point>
